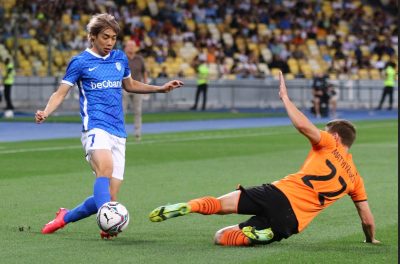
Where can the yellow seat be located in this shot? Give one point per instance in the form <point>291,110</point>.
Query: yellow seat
<point>66,19</point>
<point>84,19</point>
<point>363,74</point>
<point>142,4</point>
<point>294,68</point>
<point>375,74</point>
<point>190,25</point>
<point>289,76</point>
<point>189,72</point>
<point>10,43</point>
<point>42,72</point>
<point>332,76</point>
<point>263,67</point>
<point>231,76</point>
<point>275,72</point>
<point>146,20</point>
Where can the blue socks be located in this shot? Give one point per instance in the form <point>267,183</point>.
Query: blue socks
<point>101,191</point>
<point>101,195</point>
<point>85,209</point>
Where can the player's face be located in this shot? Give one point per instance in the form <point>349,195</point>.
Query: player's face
<point>104,42</point>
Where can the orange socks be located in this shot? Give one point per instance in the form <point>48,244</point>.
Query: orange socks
<point>206,205</point>
<point>234,238</point>
<point>210,205</point>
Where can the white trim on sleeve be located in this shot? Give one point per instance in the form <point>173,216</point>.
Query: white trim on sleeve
<point>67,82</point>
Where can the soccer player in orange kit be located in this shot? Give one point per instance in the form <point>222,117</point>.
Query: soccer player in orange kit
<point>285,207</point>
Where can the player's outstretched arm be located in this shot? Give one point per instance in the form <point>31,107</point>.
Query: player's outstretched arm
<point>54,101</point>
<point>299,120</point>
<point>133,86</point>
<point>367,221</point>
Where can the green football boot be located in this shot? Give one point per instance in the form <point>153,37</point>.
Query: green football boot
<point>169,211</point>
<point>262,236</point>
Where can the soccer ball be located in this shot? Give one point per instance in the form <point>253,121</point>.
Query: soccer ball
<point>112,218</point>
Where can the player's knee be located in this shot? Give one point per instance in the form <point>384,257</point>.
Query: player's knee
<point>218,236</point>
<point>104,170</point>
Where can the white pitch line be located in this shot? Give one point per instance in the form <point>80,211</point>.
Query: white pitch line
<point>176,139</point>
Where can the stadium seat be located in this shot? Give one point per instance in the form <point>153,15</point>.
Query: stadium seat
<point>66,19</point>
<point>142,4</point>
<point>332,76</point>
<point>146,20</point>
<point>375,74</point>
<point>386,57</point>
<point>190,25</point>
<point>188,51</point>
<point>289,76</point>
<point>227,37</point>
<point>363,74</point>
<point>213,71</point>
<point>218,30</point>
<point>266,54</point>
<point>84,19</point>
<point>275,72</point>
<point>293,66</point>
<point>189,72</point>
<point>262,30</point>
<point>263,67</point>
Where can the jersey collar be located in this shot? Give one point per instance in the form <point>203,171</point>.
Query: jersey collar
<point>97,55</point>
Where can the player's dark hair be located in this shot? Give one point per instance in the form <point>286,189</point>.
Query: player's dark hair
<point>99,23</point>
<point>345,129</point>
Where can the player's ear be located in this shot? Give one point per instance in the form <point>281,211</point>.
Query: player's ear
<point>90,38</point>
<point>337,137</point>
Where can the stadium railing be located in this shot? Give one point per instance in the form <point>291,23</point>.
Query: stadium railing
<point>31,93</point>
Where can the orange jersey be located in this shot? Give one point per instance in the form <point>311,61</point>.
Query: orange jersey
<point>327,174</point>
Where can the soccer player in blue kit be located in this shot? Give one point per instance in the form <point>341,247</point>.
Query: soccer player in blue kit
<point>100,73</point>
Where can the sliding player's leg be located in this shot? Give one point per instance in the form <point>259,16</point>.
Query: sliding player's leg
<point>231,236</point>
<point>226,204</point>
<point>256,230</point>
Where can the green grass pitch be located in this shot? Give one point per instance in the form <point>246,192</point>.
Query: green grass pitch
<point>39,177</point>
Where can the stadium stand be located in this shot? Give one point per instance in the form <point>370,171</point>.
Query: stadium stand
<point>240,38</point>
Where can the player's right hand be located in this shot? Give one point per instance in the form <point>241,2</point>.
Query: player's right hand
<point>171,85</point>
<point>40,116</point>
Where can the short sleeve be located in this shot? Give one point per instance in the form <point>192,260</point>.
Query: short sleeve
<point>127,70</point>
<point>73,72</point>
<point>358,194</point>
<point>327,141</point>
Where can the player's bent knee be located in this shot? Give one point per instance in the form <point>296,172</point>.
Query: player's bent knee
<point>104,172</point>
<point>231,236</point>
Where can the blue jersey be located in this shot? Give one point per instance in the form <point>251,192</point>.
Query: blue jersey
<point>99,80</point>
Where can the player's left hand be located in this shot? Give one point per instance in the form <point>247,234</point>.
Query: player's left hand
<point>282,86</point>
<point>40,116</point>
<point>171,85</point>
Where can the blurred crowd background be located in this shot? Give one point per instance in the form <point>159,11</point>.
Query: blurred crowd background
<point>238,38</point>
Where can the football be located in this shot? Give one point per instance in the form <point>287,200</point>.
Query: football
<point>112,218</point>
